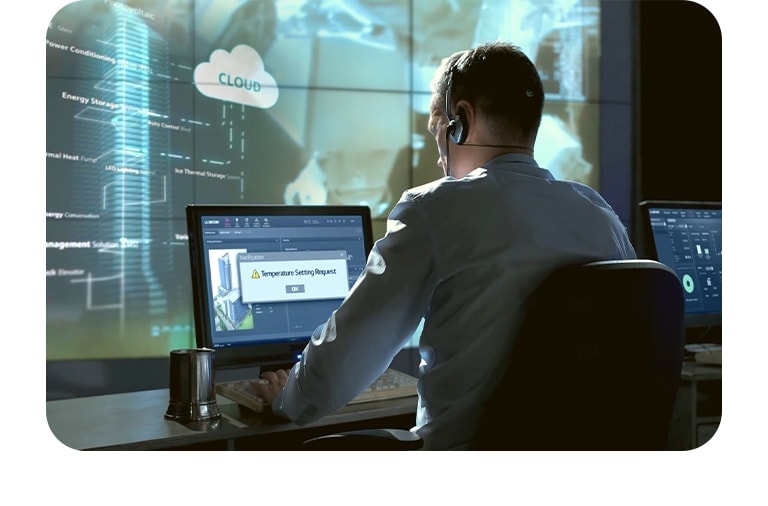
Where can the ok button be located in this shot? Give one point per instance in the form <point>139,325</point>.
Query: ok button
<point>294,288</point>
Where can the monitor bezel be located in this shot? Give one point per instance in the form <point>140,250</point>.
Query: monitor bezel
<point>692,320</point>
<point>264,355</point>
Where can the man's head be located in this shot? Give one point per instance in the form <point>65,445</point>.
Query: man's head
<point>495,98</point>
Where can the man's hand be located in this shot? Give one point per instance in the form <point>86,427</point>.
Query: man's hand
<point>275,381</point>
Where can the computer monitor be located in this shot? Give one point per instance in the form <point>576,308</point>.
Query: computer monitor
<point>265,276</point>
<point>687,236</point>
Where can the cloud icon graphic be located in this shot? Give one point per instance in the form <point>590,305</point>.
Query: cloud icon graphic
<point>238,77</point>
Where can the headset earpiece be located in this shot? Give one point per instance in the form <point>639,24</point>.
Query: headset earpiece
<point>456,130</point>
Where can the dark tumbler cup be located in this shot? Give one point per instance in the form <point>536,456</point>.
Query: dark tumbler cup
<point>192,387</point>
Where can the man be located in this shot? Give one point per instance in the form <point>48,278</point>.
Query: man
<point>462,252</point>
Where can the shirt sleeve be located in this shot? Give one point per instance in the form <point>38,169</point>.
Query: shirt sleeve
<point>378,316</point>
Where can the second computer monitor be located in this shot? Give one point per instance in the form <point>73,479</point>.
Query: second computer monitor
<point>687,236</point>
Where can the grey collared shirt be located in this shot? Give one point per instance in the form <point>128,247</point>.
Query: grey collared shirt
<point>461,254</point>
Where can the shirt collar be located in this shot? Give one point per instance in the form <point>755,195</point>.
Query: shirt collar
<point>518,162</point>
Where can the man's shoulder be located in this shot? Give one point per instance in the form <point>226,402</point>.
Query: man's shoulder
<point>426,189</point>
<point>589,192</point>
<point>434,189</point>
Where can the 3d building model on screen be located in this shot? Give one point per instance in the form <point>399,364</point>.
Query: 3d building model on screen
<point>156,104</point>
<point>232,312</point>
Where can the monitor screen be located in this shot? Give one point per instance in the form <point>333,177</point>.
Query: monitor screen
<point>687,236</point>
<point>264,277</point>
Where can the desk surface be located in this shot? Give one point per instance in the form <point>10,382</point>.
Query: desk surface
<point>136,421</point>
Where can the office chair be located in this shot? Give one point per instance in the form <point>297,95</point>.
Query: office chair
<point>595,366</point>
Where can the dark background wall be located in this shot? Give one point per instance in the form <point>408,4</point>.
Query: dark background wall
<point>678,108</point>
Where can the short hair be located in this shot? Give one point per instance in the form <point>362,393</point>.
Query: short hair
<point>497,78</point>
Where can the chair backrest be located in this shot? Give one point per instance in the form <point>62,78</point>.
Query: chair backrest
<point>596,362</point>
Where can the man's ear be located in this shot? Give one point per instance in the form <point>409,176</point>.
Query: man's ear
<point>466,113</point>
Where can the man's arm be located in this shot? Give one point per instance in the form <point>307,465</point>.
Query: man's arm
<point>378,316</point>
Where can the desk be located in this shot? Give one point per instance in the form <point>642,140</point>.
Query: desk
<point>698,409</point>
<point>135,421</point>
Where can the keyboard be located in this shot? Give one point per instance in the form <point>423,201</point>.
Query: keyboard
<point>392,384</point>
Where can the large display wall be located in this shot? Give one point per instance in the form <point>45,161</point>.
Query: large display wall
<point>155,104</point>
